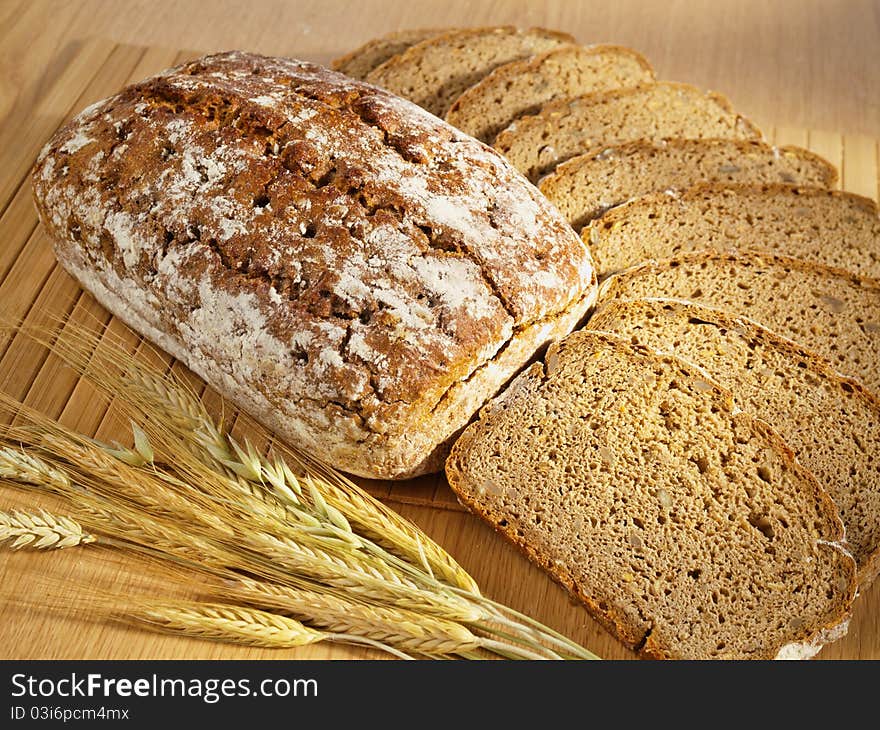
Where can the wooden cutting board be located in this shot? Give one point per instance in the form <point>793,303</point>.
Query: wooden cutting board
<point>33,287</point>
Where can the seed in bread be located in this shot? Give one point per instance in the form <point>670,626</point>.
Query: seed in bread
<point>364,59</point>
<point>355,273</point>
<point>829,311</point>
<point>827,226</point>
<point>687,528</point>
<point>831,422</point>
<point>567,128</point>
<point>585,187</point>
<point>435,72</point>
<point>523,87</point>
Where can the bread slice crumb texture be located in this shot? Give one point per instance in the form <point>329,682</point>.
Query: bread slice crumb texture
<point>829,311</point>
<point>831,422</point>
<point>567,128</point>
<point>435,72</point>
<point>686,528</point>
<point>585,187</point>
<point>522,87</point>
<point>827,226</point>
<point>364,59</point>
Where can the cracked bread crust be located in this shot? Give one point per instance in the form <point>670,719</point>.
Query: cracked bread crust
<point>356,273</point>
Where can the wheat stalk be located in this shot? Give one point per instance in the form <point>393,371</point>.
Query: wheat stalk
<point>222,622</point>
<point>406,630</point>
<point>41,531</point>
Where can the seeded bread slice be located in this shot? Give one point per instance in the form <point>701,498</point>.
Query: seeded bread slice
<point>586,186</point>
<point>830,311</point>
<point>564,129</point>
<point>828,226</point>
<point>686,528</point>
<point>436,71</point>
<point>832,423</point>
<point>522,87</point>
<point>361,61</point>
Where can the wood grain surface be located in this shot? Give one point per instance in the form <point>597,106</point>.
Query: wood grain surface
<point>56,57</point>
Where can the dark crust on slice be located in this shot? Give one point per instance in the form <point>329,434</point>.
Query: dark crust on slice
<point>615,623</point>
<point>347,256</point>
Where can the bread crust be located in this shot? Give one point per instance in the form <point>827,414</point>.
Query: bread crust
<point>356,273</point>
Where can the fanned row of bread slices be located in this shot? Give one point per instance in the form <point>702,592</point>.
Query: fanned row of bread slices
<point>672,462</point>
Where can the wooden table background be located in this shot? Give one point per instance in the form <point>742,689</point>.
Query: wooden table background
<point>792,64</point>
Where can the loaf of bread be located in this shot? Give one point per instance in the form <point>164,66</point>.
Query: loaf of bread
<point>586,186</point>
<point>569,127</point>
<point>355,273</point>
<point>523,87</point>
<point>831,422</point>
<point>827,226</point>
<point>685,527</point>
<point>830,311</point>
<point>435,72</point>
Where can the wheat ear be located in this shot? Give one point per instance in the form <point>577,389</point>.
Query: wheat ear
<point>409,631</point>
<point>18,465</point>
<point>41,531</point>
<point>227,623</point>
<point>222,622</point>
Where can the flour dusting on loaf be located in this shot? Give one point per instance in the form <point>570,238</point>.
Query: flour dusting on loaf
<point>356,273</point>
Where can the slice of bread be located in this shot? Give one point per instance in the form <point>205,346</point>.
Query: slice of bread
<point>361,61</point>
<point>830,311</point>
<point>435,72</point>
<point>522,87</point>
<point>564,129</point>
<point>586,186</point>
<point>828,226</point>
<point>831,422</point>
<point>687,528</point>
